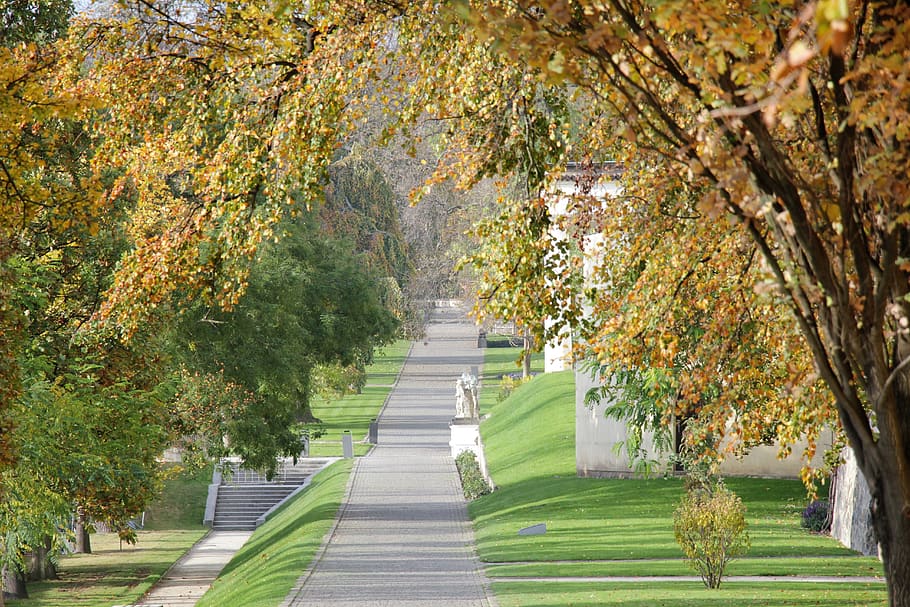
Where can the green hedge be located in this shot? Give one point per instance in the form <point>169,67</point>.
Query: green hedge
<point>472,481</point>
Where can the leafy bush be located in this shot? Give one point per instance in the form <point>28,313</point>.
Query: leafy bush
<point>472,481</point>
<point>507,385</point>
<point>710,527</point>
<point>815,517</point>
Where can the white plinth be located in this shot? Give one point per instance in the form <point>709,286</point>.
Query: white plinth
<point>465,437</point>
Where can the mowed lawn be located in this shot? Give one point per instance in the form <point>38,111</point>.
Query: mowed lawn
<point>353,412</point>
<point>623,527</point>
<point>118,575</point>
<point>501,358</point>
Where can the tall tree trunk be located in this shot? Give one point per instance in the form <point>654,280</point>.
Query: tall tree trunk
<point>526,355</point>
<point>893,530</point>
<point>890,507</point>
<point>83,541</point>
<point>14,582</point>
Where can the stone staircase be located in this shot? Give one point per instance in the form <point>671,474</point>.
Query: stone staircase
<point>245,495</point>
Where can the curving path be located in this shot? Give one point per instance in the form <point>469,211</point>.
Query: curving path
<point>403,536</point>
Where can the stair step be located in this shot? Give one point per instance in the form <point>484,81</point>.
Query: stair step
<point>246,495</point>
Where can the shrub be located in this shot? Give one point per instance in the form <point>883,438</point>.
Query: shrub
<point>815,517</point>
<point>472,481</point>
<point>710,527</point>
<point>507,385</point>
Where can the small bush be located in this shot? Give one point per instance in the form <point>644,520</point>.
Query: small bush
<point>507,385</point>
<point>815,517</point>
<point>472,481</point>
<point>710,527</point>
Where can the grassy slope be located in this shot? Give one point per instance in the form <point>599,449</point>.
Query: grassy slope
<point>182,502</point>
<point>529,440</point>
<point>499,361</point>
<point>688,594</point>
<point>354,411</point>
<point>387,363</point>
<point>263,572</point>
<point>111,576</point>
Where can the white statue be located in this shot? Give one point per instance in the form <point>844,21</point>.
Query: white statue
<point>466,397</point>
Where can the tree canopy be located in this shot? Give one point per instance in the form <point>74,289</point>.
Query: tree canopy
<point>310,301</point>
<point>765,147</point>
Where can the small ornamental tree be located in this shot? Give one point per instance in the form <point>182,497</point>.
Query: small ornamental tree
<point>710,527</point>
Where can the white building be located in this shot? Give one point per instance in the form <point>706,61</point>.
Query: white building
<point>599,440</point>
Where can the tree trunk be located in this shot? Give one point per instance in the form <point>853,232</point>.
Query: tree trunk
<point>526,356</point>
<point>44,568</point>
<point>83,541</point>
<point>893,531</point>
<point>890,510</point>
<point>14,582</point>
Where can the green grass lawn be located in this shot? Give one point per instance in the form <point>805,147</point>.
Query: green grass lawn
<point>110,576</point>
<point>688,594</point>
<point>530,448</point>
<point>263,572</point>
<point>182,501</point>
<point>805,566</point>
<point>354,411</point>
<point>115,576</point>
<point>387,363</point>
<point>501,358</point>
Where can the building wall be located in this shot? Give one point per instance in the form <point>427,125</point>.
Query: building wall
<point>597,454</point>
<point>599,440</point>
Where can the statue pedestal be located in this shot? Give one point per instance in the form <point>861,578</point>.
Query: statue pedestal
<point>465,437</point>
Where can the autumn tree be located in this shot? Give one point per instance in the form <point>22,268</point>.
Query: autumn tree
<point>88,424</point>
<point>788,122</point>
<point>220,121</point>
<point>36,103</point>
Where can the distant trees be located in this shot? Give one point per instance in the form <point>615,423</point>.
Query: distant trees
<point>310,301</point>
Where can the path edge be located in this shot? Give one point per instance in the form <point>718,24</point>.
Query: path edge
<point>297,589</point>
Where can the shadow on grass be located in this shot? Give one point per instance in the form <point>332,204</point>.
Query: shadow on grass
<point>622,519</point>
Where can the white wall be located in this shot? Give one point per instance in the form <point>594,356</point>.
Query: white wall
<point>596,438</point>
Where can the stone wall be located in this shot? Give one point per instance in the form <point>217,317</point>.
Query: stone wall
<point>852,522</point>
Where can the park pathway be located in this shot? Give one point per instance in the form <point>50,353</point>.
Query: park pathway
<point>190,577</point>
<point>403,535</point>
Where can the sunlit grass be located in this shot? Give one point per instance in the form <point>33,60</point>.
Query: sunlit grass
<point>111,576</point>
<point>264,571</point>
<point>354,412</point>
<point>688,594</point>
<point>530,448</point>
<point>387,363</point>
<point>500,358</point>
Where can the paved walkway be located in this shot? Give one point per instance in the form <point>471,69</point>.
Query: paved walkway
<point>403,535</point>
<point>190,577</point>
